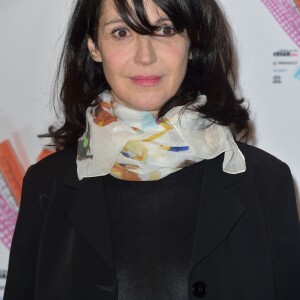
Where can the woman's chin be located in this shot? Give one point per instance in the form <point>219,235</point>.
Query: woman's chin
<point>149,104</point>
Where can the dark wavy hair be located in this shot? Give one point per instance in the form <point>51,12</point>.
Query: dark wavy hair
<point>209,72</point>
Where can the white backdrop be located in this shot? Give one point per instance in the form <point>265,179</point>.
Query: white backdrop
<point>30,33</point>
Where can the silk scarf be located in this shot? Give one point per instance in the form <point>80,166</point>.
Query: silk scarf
<point>133,145</point>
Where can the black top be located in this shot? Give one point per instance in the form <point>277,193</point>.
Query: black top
<point>153,225</point>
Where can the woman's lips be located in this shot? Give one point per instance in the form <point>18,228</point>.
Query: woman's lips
<point>150,80</point>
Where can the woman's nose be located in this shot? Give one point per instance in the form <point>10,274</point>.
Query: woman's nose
<point>145,53</point>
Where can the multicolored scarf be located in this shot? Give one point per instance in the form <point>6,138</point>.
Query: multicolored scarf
<point>134,145</point>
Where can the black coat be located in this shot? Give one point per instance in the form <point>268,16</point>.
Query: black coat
<point>247,243</point>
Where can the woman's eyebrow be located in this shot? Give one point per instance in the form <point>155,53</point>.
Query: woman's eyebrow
<point>162,20</point>
<point>116,21</point>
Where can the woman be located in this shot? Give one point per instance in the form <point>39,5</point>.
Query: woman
<point>151,197</point>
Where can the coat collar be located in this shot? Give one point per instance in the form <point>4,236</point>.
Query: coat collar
<point>219,211</point>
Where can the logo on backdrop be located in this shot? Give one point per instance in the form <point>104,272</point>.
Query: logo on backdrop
<point>286,53</point>
<point>276,79</point>
<point>286,65</point>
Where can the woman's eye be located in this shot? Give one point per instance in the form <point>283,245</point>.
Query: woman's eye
<point>165,31</point>
<point>120,33</point>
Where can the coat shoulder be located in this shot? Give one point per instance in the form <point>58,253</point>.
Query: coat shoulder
<point>53,168</point>
<point>56,164</point>
<point>260,161</point>
<point>272,179</point>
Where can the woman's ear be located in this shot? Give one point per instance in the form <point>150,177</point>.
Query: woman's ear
<point>94,51</point>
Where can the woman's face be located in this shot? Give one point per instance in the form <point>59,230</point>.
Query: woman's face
<point>143,71</point>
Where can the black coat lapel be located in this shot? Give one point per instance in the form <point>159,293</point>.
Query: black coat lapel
<point>88,215</point>
<point>219,210</point>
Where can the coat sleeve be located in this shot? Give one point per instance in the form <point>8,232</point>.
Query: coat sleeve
<point>21,275</point>
<point>284,236</point>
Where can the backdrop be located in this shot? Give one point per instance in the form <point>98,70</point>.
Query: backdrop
<point>267,38</point>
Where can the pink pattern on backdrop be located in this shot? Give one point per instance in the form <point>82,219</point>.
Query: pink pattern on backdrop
<point>8,219</point>
<point>287,15</point>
